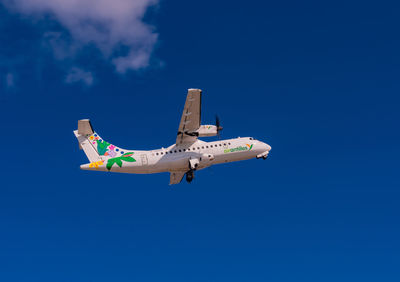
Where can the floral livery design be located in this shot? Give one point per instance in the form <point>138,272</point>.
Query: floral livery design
<point>111,153</point>
<point>103,147</point>
<point>106,149</point>
<point>96,164</point>
<point>127,157</point>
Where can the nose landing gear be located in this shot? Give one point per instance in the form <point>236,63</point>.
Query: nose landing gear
<point>263,155</point>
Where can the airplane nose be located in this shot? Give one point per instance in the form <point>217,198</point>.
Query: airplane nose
<point>267,147</point>
<point>264,150</point>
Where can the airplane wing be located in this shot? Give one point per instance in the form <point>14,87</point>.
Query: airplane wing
<point>176,177</point>
<point>190,120</point>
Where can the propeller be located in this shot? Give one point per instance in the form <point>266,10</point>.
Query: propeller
<point>218,125</point>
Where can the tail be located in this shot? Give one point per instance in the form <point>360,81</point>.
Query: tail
<point>95,148</point>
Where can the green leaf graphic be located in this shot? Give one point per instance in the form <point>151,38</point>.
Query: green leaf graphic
<point>128,159</point>
<point>118,160</point>
<point>102,147</point>
<point>110,163</point>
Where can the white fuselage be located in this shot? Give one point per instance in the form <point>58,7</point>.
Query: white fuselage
<point>179,157</point>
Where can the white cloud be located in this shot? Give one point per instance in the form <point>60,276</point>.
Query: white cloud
<point>109,25</point>
<point>79,75</point>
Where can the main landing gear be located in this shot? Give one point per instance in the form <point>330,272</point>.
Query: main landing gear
<point>193,164</point>
<point>189,175</point>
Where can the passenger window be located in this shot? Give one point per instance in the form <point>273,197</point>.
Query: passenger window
<point>157,154</point>
<point>211,146</point>
<point>188,149</point>
<point>207,147</point>
<point>162,153</point>
<point>202,147</point>
<point>198,148</point>
<point>175,151</point>
<point>166,152</point>
<point>220,145</point>
<point>184,150</point>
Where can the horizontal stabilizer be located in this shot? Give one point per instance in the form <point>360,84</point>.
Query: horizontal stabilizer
<point>85,127</point>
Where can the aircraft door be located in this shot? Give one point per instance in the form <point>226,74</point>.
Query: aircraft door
<point>144,159</point>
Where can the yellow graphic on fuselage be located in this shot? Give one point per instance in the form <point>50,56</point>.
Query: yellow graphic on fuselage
<point>96,164</point>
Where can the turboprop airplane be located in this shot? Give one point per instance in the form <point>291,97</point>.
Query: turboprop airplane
<point>187,155</point>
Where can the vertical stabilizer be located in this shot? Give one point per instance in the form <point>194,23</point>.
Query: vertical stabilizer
<point>95,148</point>
<point>84,130</point>
<point>85,145</point>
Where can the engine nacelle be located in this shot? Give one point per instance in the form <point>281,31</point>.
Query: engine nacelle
<point>205,160</point>
<point>207,130</point>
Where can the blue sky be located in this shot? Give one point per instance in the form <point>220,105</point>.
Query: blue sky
<point>317,81</point>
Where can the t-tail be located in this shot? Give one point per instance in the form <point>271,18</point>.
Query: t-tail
<point>99,152</point>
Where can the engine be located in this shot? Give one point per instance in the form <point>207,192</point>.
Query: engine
<point>201,162</point>
<point>207,130</point>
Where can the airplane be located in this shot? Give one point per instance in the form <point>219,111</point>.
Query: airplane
<point>186,156</point>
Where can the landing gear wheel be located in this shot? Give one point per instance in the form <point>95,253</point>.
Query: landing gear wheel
<point>189,176</point>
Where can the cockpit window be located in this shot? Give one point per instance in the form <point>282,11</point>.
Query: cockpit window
<point>251,138</point>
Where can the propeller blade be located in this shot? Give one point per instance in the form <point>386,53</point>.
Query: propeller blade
<point>218,125</point>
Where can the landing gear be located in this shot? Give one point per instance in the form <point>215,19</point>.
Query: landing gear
<point>263,155</point>
<point>189,176</point>
<point>193,165</point>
